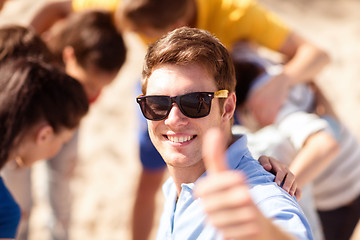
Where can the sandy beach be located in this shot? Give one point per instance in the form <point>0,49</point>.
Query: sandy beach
<point>108,167</point>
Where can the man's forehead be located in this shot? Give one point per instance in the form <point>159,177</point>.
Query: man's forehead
<point>182,69</point>
<point>184,78</point>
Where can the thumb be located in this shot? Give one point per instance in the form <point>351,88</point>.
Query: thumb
<point>214,151</point>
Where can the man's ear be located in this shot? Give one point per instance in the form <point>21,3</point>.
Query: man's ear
<point>229,106</point>
<point>44,134</point>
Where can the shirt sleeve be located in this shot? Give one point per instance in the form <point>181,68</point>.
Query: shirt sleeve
<point>299,126</point>
<point>235,20</point>
<point>284,211</point>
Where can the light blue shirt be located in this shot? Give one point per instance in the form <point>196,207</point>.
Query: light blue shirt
<point>185,219</point>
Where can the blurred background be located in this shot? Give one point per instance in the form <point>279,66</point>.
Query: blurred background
<point>108,167</point>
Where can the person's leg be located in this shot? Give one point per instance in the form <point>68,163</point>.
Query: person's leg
<point>60,171</point>
<point>339,224</point>
<point>18,181</point>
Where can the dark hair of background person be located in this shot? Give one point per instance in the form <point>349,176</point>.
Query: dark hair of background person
<point>94,38</point>
<point>18,41</point>
<point>246,73</point>
<point>158,14</point>
<point>30,92</point>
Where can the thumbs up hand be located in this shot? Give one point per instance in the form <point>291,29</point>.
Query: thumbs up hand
<point>225,195</point>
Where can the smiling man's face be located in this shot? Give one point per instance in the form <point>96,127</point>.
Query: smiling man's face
<point>179,138</point>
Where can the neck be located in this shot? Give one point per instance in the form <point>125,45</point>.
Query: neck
<point>182,175</point>
<point>190,174</point>
<point>12,156</point>
<point>233,139</point>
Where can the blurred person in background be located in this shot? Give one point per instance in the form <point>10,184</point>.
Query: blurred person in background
<point>318,148</point>
<point>18,42</point>
<point>90,49</point>
<point>41,107</point>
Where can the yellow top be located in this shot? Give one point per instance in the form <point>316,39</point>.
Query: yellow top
<point>234,20</point>
<point>228,20</point>
<point>109,5</point>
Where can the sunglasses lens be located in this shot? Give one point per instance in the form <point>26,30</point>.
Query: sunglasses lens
<point>195,105</point>
<point>155,107</point>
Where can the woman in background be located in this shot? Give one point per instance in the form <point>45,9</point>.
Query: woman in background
<point>40,109</point>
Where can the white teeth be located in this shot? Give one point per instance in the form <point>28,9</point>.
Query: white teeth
<point>179,139</point>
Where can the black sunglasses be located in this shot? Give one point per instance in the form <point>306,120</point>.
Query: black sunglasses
<point>192,105</point>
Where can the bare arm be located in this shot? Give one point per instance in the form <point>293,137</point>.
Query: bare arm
<point>50,13</point>
<point>305,61</point>
<point>317,153</point>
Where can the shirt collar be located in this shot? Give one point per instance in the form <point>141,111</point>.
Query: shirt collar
<point>234,154</point>
<point>237,151</point>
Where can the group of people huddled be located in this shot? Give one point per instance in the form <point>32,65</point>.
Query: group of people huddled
<point>248,153</point>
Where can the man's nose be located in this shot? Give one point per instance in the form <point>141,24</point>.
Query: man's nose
<point>175,116</point>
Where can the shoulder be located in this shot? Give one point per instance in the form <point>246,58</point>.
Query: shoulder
<point>283,209</point>
<point>255,173</point>
<point>239,158</point>
<point>268,192</point>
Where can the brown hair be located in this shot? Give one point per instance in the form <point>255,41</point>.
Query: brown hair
<point>30,92</point>
<point>190,45</point>
<point>157,14</point>
<point>18,41</point>
<point>94,38</point>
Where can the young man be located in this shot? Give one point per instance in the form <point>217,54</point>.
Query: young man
<point>188,88</point>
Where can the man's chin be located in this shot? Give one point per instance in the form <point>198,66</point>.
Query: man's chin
<point>175,159</point>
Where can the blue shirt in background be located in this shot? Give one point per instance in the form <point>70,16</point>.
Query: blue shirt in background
<point>9,213</point>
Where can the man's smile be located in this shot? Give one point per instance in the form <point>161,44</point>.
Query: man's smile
<point>180,139</point>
